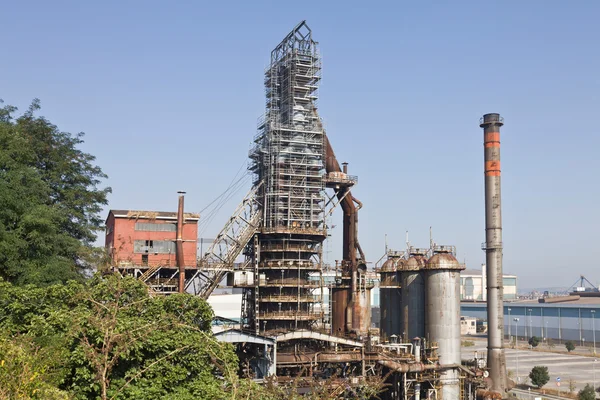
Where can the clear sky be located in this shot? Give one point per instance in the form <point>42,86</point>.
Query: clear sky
<point>168,94</point>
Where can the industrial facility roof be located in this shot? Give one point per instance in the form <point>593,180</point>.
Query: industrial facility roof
<point>137,214</point>
<point>580,301</point>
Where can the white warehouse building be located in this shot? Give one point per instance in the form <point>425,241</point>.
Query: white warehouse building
<point>473,285</point>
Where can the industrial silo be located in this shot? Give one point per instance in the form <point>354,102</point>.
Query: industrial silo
<point>412,303</point>
<point>389,298</point>
<point>442,320</point>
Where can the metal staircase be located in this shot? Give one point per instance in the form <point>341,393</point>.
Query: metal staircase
<point>149,272</point>
<point>229,244</point>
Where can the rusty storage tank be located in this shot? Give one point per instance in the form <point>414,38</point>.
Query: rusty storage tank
<point>442,320</point>
<point>389,298</point>
<point>412,302</point>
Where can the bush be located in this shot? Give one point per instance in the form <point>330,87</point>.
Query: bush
<point>467,343</point>
<point>534,341</point>
<point>587,393</point>
<point>539,376</point>
<point>570,346</point>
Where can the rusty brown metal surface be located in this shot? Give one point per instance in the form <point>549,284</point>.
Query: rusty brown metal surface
<point>179,244</point>
<point>340,298</point>
<point>491,124</point>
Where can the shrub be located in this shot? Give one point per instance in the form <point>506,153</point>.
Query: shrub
<point>570,346</point>
<point>534,341</point>
<point>587,393</point>
<point>539,376</point>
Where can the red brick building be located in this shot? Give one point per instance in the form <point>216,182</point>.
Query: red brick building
<point>147,238</point>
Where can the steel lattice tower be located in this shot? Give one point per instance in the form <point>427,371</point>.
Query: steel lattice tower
<point>288,163</point>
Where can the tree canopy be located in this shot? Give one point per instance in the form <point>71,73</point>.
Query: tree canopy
<point>539,376</point>
<point>587,393</point>
<point>50,200</point>
<point>108,339</point>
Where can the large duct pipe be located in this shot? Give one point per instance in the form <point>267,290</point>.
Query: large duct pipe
<point>179,244</point>
<point>496,361</point>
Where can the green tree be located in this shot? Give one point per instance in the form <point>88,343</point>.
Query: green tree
<point>587,393</point>
<point>539,376</point>
<point>570,346</point>
<point>534,341</point>
<point>24,373</point>
<point>108,339</point>
<point>50,197</point>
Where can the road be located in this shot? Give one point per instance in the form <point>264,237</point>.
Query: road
<point>565,366</point>
<point>524,394</point>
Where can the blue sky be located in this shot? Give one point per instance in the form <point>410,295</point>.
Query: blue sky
<point>168,94</point>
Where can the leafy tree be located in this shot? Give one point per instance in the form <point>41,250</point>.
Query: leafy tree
<point>23,372</point>
<point>570,346</point>
<point>587,393</point>
<point>534,341</point>
<point>108,339</point>
<point>539,376</point>
<point>50,200</point>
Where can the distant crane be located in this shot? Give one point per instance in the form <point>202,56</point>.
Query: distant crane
<point>580,286</point>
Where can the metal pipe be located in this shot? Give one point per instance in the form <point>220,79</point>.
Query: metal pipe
<point>491,124</point>
<point>179,244</point>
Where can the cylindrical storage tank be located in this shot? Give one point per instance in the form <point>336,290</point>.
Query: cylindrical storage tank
<point>413,295</point>
<point>442,326</point>
<point>339,303</point>
<point>389,299</point>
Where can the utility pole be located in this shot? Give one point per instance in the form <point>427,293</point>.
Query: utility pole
<point>594,329</point>
<point>517,344</point>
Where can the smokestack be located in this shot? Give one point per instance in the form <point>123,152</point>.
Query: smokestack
<point>496,362</point>
<point>179,244</point>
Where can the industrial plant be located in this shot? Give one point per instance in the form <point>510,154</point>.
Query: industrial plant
<point>271,248</point>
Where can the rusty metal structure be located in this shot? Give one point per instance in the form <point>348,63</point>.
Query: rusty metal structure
<point>288,164</point>
<point>279,229</point>
<point>442,315</point>
<point>412,317</point>
<point>390,296</point>
<point>491,124</point>
<point>179,244</point>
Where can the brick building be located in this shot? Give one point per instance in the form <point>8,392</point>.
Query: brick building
<point>142,244</point>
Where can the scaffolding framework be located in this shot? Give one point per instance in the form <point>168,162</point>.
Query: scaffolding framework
<point>288,163</point>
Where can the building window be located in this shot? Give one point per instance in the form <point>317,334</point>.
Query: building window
<point>509,281</point>
<point>154,246</point>
<point>154,227</point>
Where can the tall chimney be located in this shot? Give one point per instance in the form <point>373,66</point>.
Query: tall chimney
<point>179,244</point>
<point>496,361</point>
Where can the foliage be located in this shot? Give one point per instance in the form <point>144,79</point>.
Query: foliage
<point>108,339</point>
<point>539,376</point>
<point>587,393</point>
<point>534,341</point>
<point>570,346</point>
<point>572,385</point>
<point>467,343</point>
<point>50,196</point>
<point>24,373</point>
